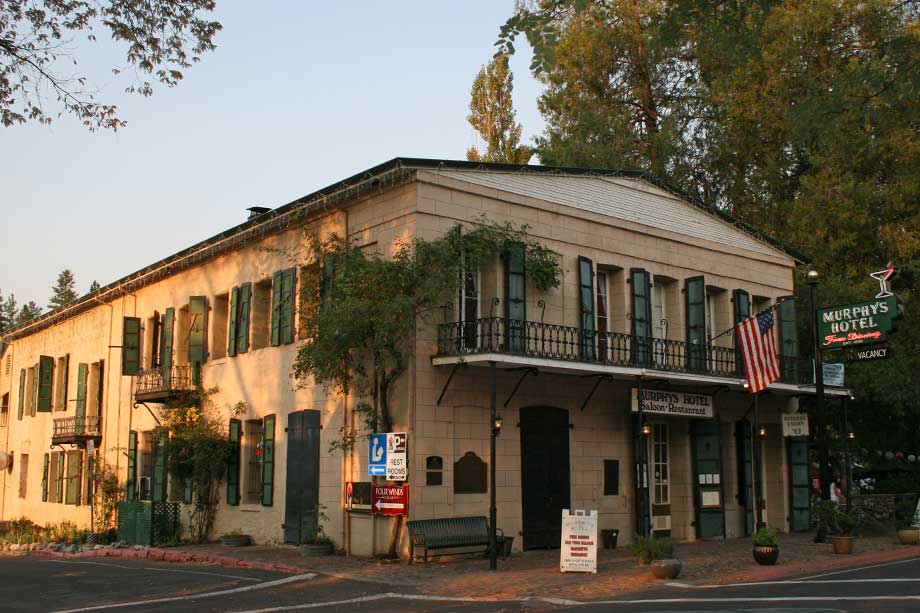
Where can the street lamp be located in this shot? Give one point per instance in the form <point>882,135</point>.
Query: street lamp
<point>496,429</point>
<point>811,277</point>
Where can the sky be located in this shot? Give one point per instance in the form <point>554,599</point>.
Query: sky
<point>297,96</point>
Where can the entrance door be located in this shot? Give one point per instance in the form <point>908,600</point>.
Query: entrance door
<point>544,474</point>
<point>799,487</point>
<point>745,473</point>
<point>707,463</point>
<point>301,503</point>
<point>661,482</point>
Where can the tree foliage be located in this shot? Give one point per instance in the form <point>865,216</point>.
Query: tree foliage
<point>492,116</point>
<point>63,292</point>
<point>361,319</point>
<point>38,53</point>
<point>28,312</point>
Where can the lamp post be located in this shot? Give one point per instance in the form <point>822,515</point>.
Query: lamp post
<point>846,448</point>
<point>758,434</point>
<point>495,427</point>
<point>811,278</point>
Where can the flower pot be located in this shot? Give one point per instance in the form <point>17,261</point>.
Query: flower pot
<point>909,536</point>
<point>316,549</point>
<point>235,540</point>
<point>843,545</point>
<point>609,537</point>
<point>666,569</point>
<point>766,555</point>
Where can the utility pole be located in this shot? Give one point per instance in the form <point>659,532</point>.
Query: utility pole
<point>823,455</point>
<point>493,512</point>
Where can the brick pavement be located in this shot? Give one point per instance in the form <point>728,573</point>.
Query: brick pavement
<point>537,573</point>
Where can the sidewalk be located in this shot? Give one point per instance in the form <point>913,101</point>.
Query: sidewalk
<point>537,573</point>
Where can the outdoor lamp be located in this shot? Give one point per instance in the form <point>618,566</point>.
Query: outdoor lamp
<point>497,425</point>
<point>851,435</point>
<point>811,277</point>
<point>745,385</point>
<point>762,431</point>
<point>646,429</point>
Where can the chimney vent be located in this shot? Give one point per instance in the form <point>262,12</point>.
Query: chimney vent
<point>255,211</point>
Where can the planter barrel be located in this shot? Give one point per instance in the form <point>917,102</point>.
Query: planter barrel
<point>766,555</point>
<point>909,536</point>
<point>666,569</point>
<point>843,545</point>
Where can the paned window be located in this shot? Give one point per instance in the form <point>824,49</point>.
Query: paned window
<point>515,299</point>
<point>659,310</point>
<point>252,458</point>
<point>145,466</point>
<point>641,316</point>
<point>4,410</point>
<point>695,296</point>
<point>586,304</point>
<point>434,470</point>
<point>660,463</point>
<point>603,316</point>
<point>469,301</point>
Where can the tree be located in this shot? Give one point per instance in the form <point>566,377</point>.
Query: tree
<point>28,312</point>
<point>9,312</point>
<point>38,55</point>
<point>94,287</point>
<point>63,292</point>
<point>492,116</point>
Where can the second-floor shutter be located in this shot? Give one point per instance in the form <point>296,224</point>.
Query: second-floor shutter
<point>22,392</point>
<point>288,289</point>
<point>695,297</point>
<point>231,318</point>
<point>788,339</point>
<point>33,402</point>
<point>640,283</point>
<point>515,298</point>
<point>586,302</point>
<point>741,303</point>
<point>198,329</point>
<point>130,346</point>
<point>80,412</point>
<point>45,380</point>
<point>242,319</point>
<point>166,345</point>
<point>275,334</point>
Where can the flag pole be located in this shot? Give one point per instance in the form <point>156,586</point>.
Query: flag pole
<point>766,310</point>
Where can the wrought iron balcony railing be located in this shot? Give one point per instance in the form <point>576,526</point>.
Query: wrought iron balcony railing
<point>76,429</point>
<point>556,342</point>
<point>161,383</point>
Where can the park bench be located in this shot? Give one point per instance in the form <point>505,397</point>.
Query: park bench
<point>469,533</point>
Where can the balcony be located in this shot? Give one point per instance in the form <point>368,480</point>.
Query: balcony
<point>162,384</point>
<point>77,430</point>
<point>495,335</point>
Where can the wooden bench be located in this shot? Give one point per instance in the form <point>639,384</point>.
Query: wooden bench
<point>449,533</point>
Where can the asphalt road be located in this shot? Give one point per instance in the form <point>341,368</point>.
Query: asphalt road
<point>43,584</point>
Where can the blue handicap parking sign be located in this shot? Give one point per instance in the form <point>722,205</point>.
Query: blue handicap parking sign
<point>377,455</point>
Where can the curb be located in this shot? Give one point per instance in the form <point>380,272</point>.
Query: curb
<point>175,557</point>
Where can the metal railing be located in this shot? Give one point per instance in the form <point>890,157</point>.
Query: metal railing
<point>163,380</point>
<point>87,425</point>
<point>556,342</point>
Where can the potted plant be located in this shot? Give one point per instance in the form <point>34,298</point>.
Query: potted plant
<point>766,547</point>
<point>846,525</point>
<point>908,532</point>
<point>659,554</point>
<point>235,539</point>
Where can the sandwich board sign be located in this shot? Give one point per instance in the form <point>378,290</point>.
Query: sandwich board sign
<point>579,542</point>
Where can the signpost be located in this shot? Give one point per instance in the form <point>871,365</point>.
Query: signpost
<point>678,404</point>
<point>795,424</point>
<point>390,500</point>
<point>579,542</point>
<point>386,456</point>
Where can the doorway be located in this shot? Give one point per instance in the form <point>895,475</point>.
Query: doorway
<point>301,501</point>
<point>544,475</point>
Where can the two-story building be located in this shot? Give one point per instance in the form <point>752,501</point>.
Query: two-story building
<point>652,283</point>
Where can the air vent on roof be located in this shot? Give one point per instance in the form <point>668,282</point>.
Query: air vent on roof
<point>255,211</point>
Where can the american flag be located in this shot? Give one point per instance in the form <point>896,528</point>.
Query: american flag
<point>758,350</point>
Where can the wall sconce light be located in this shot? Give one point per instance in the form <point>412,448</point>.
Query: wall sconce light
<point>646,429</point>
<point>762,431</point>
<point>745,385</point>
<point>851,435</point>
<point>497,425</point>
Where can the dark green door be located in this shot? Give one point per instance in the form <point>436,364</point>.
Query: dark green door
<point>544,475</point>
<point>799,487</point>
<point>707,469</point>
<point>745,473</point>
<point>301,498</point>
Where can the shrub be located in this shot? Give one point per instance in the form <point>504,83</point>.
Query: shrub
<point>765,537</point>
<point>651,548</point>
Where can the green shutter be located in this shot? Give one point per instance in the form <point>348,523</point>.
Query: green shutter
<point>131,480</point>
<point>231,318</point>
<point>166,345</point>
<point>233,463</point>
<point>288,290</point>
<point>66,375</point>
<point>158,475</point>
<point>60,477</point>
<point>640,283</point>
<point>130,346</point>
<point>33,402</point>
<point>198,329</point>
<point>45,380</point>
<point>741,305</point>
<point>695,298</point>
<point>74,476</point>
<point>242,321</point>
<point>82,372</point>
<point>22,391</point>
<point>789,343</point>
<point>586,302</point>
<point>515,298</point>
<point>45,480</point>
<point>268,460</point>
<point>275,336</point>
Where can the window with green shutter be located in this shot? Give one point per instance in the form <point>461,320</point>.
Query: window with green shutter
<point>741,305</point>
<point>166,345</point>
<point>74,476</point>
<point>158,476</point>
<point>243,307</point>
<point>232,319</point>
<point>131,479</point>
<point>130,346</point>
<point>45,480</point>
<point>268,460</point>
<point>640,283</point>
<point>275,334</point>
<point>282,315</point>
<point>198,329</point>
<point>33,400</point>
<point>45,383</point>
<point>60,476</point>
<point>695,300</point>
<point>22,392</point>
<point>788,339</point>
<point>80,412</point>
<point>233,463</point>
<point>586,302</point>
<point>515,298</point>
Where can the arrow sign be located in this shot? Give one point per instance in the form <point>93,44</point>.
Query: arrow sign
<point>390,499</point>
<point>377,455</point>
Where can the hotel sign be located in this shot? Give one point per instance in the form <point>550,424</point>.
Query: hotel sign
<point>677,404</point>
<point>853,325</point>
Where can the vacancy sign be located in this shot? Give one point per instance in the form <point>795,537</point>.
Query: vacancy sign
<point>579,542</point>
<point>390,499</point>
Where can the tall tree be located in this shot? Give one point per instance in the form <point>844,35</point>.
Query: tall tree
<point>9,311</point>
<point>492,116</point>
<point>94,286</point>
<point>28,312</point>
<point>38,60</point>
<point>63,292</point>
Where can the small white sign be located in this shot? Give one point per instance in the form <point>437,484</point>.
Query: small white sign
<point>795,424</point>
<point>579,542</point>
<point>396,456</point>
<point>90,448</point>
<point>678,404</point>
